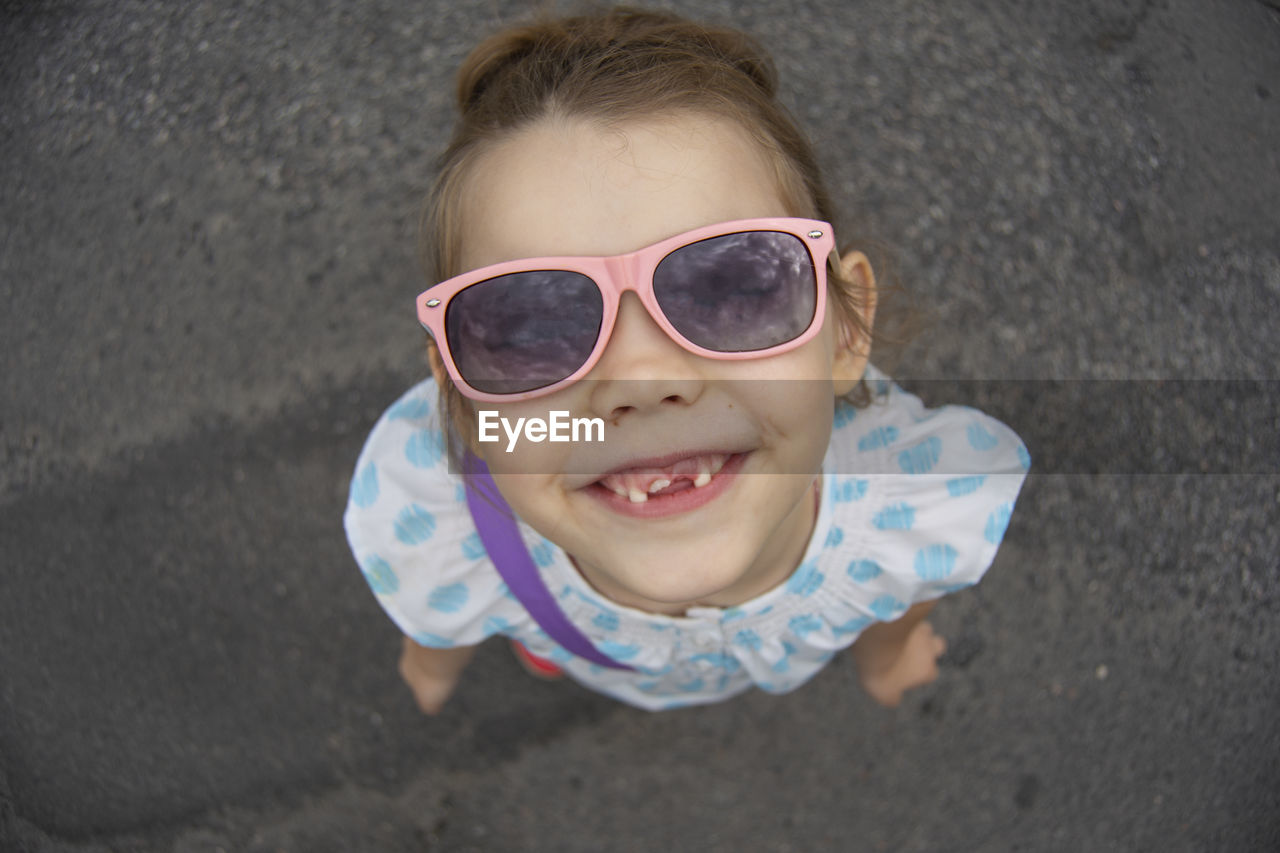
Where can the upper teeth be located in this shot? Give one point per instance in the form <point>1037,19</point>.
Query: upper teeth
<point>627,486</point>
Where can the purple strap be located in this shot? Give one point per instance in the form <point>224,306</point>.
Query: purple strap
<point>497,528</point>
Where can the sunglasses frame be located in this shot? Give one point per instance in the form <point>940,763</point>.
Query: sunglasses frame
<point>617,274</point>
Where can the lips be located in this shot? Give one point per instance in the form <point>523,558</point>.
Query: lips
<point>638,484</point>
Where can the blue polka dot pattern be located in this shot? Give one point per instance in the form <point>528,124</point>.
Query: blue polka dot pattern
<point>998,523</point>
<point>748,640</point>
<point>899,516</point>
<point>887,608</point>
<point>980,438</point>
<point>495,625</point>
<point>834,537</point>
<point>432,641</point>
<point>542,554</point>
<point>411,409</point>
<point>414,525</point>
<point>472,547</point>
<point>364,487</point>
<point>424,448</point>
<point>449,599</point>
<point>806,580</point>
<point>846,491</point>
<point>804,624</point>
<point>1024,457</point>
<point>921,458</point>
<point>961,486</point>
<point>864,570</point>
<point>719,660</point>
<point>934,562</point>
<point>619,651</point>
<point>379,575</point>
<point>845,414</point>
<point>856,625</point>
<point>606,620</point>
<point>881,436</point>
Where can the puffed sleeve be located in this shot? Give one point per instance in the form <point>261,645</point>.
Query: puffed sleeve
<point>411,534</point>
<point>936,489</point>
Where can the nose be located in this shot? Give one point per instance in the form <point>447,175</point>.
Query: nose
<point>642,368</point>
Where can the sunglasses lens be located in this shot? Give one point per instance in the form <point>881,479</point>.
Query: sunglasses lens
<point>739,292</point>
<point>523,331</point>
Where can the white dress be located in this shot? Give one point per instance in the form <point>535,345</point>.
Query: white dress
<point>914,503</point>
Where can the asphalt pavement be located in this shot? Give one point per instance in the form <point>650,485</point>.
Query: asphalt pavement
<point>207,261</point>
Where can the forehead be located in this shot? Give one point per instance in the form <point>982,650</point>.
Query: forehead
<point>577,187</point>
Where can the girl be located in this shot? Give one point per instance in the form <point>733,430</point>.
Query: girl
<point>630,235</point>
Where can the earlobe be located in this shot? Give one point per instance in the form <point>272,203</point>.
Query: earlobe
<point>853,335</point>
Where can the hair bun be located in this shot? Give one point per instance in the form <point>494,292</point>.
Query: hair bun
<point>490,57</point>
<point>638,37</point>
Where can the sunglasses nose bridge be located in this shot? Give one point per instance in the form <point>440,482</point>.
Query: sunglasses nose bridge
<point>622,271</point>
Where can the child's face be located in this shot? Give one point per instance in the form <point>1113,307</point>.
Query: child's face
<point>573,188</point>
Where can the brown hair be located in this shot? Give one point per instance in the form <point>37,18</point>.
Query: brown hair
<point>614,66</point>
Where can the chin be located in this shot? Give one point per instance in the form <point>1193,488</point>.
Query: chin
<point>675,589</point>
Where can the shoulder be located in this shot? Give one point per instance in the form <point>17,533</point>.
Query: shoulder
<point>922,496</point>
<point>897,434</point>
<point>402,466</point>
<point>409,529</point>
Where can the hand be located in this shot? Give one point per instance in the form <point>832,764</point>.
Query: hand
<point>432,674</point>
<point>889,670</point>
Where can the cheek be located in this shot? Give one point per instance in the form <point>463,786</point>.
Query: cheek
<point>520,439</point>
<point>793,391</point>
<point>798,413</point>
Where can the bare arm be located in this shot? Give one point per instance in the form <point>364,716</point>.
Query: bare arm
<point>893,657</point>
<point>432,674</point>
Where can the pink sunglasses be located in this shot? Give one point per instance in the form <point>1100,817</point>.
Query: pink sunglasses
<point>736,290</point>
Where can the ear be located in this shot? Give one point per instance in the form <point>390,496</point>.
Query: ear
<point>853,345</point>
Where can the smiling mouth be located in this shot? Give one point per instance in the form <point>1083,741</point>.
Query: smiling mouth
<point>639,484</point>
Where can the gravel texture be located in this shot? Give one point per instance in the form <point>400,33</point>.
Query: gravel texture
<point>207,254</point>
